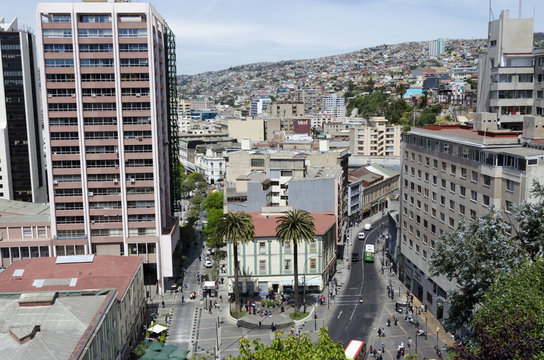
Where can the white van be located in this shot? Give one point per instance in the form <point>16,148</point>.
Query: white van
<point>368,226</point>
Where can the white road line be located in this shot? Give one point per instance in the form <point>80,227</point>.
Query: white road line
<point>353,313</point>
<point>340,314</point>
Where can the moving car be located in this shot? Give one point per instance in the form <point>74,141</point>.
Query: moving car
<point>368,226</point>
<point>207,263</point>
<point>209,251</point>
<point>354,256</point>
<point>361,235</point>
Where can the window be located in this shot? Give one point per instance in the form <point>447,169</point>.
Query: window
<point>442,217</point>
<point>473,195</point>
<point>443,200</point>
<point>134,62</point>
<point>287,265</point>
<point>435,163</point>
<point>313,265</point>
<point>58,48</point>
<point>435,180</point>
<point>443,183</point>
<point>462,209</point>
<point>95,48</point>
<point>486,200</point>
<point>452,187</point>
<point>262,267</point>
<point>96,62</point>
<point>132,47</point>
<point>424,254</point>
<point>433,228</point>
<point>509,206</point>
<point>452,222</point>
<point>453,169</point>
<point>57,33</point>
<point>472,214</point>
<point>411,244</point>
<point>487,180</point>
<point>444,166</point>
<point>59,62</point>
<point>474,176</point>
<point>287,247</point>
<point>452,205</point>
<point>94,18</point>
<point>257,162</point>
<point>313,246</point>
<point>463,191</point>
<point>262,247</point>
<point>132,33</point>
<point>417,249</point>
<point>509,185</point>
<point>27,232</point>
<point>463,172</point>
<point>95,33</point>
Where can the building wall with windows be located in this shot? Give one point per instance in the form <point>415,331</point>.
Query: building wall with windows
<point>266,264</point>
<point>22,166</point>
<point>375,139</point>
<point>451,173</point>
<point>104,90</point>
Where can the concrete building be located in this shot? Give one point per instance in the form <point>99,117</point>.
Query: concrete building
<point>88,273</point>
<point>22,170</point>
<point>286,109</point>
<point>71,324</point>
<point>370,190</point>
<point>267,264</point>
<point>450,173</point>
<point>505,72</point>
<point>210,161</point>
<point>106,77</point>
<point>184,108</point>
<point>375,138</point>
<point>334,105</point>
<point>437,47</point>
<point>258,105</point>
<point>539,83</point>
<point>248,128</point>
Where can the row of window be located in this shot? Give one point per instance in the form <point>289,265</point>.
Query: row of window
<point>89,77</point>
<point>99,106</point>
<point>93,33</point>
<point>104,191</point>
<point>129,120</point>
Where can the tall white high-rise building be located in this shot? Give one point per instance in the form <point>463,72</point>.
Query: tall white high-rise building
<point>334,105</point>
<point>437,47</point>
<point>110,113</point>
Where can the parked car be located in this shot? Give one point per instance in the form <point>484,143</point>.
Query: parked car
<point>368,226</point>
<point>208,263</point>
<point>209,251</point>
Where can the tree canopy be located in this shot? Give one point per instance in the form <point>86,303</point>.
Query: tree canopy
<point>510,322</point>
<point>373,104</point>
<point>291,348</point>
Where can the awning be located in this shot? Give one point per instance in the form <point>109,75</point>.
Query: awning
<point>287,282</point>
<point>157,328</point>
<point>313,281</point>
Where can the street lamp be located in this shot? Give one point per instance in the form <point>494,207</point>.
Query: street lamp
<point>426,328</point>
<point>437,329</point>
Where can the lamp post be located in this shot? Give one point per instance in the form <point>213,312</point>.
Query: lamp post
<point>416,342</point>
<point>437,329</point>
<point>426,328</point>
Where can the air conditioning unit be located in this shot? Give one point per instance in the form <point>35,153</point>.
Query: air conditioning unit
<point>0,238</point>
<point>93,95</point>
<point>73,95</point>
<point>140,138</point>
<point>50,95</point>
<point>91,194</point>
<point>92,221</point>
<point>55,182</point>
<point>132,181</point>
<point>138,95</point>
<point>117,166</point>
<point>115,181</point>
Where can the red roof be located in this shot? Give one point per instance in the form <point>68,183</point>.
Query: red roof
<point>265,225</point>
<point>104,272</point>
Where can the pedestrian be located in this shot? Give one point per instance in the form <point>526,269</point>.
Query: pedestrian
<point>162,303</point>
<point>409,342</point>
<point>185,284</point>
<point>199,257</point>
<point>379,332</point>
<point>383,347</point>
<point>371,349</point>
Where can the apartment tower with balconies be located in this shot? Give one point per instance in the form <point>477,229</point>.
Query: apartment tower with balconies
<point>105,89</point>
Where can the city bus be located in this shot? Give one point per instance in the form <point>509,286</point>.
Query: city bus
<point>369,252</point>
<point>356,350</point>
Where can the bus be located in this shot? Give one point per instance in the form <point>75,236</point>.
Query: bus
<point>369,252</point>
<point>356,350</point>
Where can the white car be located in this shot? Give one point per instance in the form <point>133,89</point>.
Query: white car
<point>209,251</point>
<point>361,236</point>
<point>368,226</point>
<point>208,264</point>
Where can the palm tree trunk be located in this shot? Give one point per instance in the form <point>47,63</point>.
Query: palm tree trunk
<point>295,285</point>
<point>236,271</point>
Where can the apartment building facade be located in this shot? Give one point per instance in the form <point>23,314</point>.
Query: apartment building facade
<point>105,70</point>
<point>375,138</point>
<point>506,71</point>
<point>334,105</point>
<point>22,166</point>
<point>451,173</point>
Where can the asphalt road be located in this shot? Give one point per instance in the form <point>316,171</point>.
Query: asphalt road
<point>351,319</point>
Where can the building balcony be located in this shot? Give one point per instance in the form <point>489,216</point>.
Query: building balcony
<point>511,102</point>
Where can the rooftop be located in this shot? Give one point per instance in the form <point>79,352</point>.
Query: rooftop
<point>47,274</point>
<point>61,326</point>
<point>265,224</point>
<point>466,134</point>
<point>12,207</point>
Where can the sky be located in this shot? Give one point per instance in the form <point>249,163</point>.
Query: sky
<point>216,34</point>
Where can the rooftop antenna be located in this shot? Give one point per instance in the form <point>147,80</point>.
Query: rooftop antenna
<point>491,17</point>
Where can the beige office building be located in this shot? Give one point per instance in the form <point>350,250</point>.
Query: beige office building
<point>450,173</point>
<point>375,138</point>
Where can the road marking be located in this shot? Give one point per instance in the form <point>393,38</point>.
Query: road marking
<point>353,313</point>
<point>340,314</point>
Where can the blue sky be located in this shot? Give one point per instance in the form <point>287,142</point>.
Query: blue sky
<point>216,34</point>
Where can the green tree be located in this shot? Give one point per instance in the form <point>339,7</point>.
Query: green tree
<point>371,104</point>
<point>396,110</point>
<point>295,226</point>
<point>291,348</point>
<point>214,200</point>
<point>530,218</point>
<point>236,227</point>
<point>473,255</point>
<point>510,322</point>
<point>400,90</point>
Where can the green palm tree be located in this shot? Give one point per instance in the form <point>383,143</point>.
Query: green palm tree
<point>295,226</point>
<point>239,229</point>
